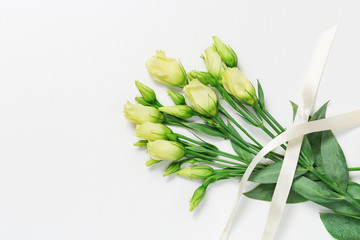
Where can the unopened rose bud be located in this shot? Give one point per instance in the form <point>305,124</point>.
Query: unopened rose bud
<point>237,84</point>
<point>177,98</point>
<point>166,150</point>
<point>152,162</point>
<point>152,131</point>
<point>147,93</point>
<point>214,64</point>
<point>198,195</point>
<point>138,113</point>
<point>181,111</point>
<point>199,172</point>
<point>166,70</point>
<point>201,97</point>
<point>227,54</point>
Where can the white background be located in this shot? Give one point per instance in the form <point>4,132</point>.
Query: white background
<point>68,169</point>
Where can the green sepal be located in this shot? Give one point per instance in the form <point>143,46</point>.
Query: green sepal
<point>142,101</point>
<point>152,162</point>
<point>141,143</point>
<point>261,97</point>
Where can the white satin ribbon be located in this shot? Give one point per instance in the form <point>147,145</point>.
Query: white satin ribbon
<point>347,120</point>
<point>309,90</point>
<point>295,134</point>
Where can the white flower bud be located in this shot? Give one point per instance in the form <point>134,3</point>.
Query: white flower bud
<point>237,84</point>
<point>138,113</point>
<point>226,53</point>
<point>181,111</point>
<point>214,64</point>
<point>199,172</point>
<point>166,150</point>
<point>201,97</point>
<point>152,131</point>
<point>166,70</point>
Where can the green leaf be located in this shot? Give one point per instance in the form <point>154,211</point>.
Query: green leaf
<point>315,191</point>
<point>307,151</point>
<point>209,130</point>
<point>265,192</point>
<point>342,207</point>
<point>261,95</point>
<point>354,190</point>
<point>333,160</point>
<point>270,173</point>
<point>242,153</point>
<point>341,227</point>
<point>315,138</point>
<point>320,113</point>
<point>295,108</point>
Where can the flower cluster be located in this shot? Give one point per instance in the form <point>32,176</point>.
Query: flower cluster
<point>199,98</point>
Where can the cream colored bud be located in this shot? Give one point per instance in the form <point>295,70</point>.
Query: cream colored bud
<point>226,53</point>
<point>152,131</point>
<point>166,150</point>
<point>198,195</point>
<point>237,84</point>
<point>201,97</point>
<point>138,113</point>
<point>177,98</point>
<point>147,93</point>
<point>214,64</point>
<point>181,111</point>
<point>199,172</point>
<point>166,70</point>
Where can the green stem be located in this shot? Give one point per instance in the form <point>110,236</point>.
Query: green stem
<point>215,159</point>
<point>274,120</point>
<point>354,169</point>
<point>203,144</point>
<point>225,129</point>
<point>231,100</point>
<point>215,163</point>
<point>260,111</point>
<point>244,108</point>
<point>242,143</point>
<point>226,114</point>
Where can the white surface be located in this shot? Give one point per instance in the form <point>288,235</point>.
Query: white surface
<point>68,169</point>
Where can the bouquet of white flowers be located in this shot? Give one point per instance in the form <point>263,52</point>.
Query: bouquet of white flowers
<point>322,175</point>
